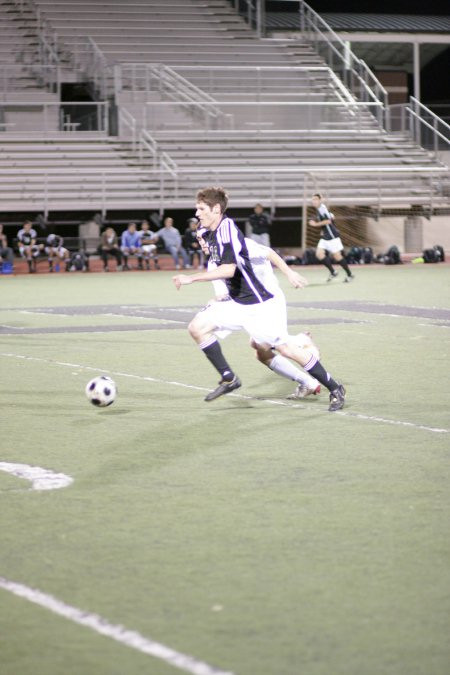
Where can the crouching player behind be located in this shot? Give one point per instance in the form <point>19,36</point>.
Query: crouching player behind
<point>262,259</point>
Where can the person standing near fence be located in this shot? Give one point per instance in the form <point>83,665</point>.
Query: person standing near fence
<point>260,223</point>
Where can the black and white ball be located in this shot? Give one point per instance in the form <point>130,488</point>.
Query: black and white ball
<point>101,391</point>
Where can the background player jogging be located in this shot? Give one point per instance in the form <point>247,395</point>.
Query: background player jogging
<point>330,240</point>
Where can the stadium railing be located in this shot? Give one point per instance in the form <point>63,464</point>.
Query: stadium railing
<point>353,71</point>
<point>421,124</point>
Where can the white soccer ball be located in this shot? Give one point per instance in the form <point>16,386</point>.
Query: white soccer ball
<point>101,391</point>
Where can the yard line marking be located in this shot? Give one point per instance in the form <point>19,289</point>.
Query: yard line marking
<point>97,623</point>
<point>41,479</point>
<point>248,397</point>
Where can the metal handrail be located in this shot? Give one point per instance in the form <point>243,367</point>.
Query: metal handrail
<point>253,14</point>
<point>414,119</point>
<point>167,81</point>
<point>310,20</point>
<point>350,65</point>
<point>92,61</point>
<point>126,118</point>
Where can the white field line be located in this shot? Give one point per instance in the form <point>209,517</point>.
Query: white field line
<point>287,404</point>
<point>41,479</point>
<point>116,632</point>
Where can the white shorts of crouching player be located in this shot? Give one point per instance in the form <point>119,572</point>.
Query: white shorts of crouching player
<point>304,341</point>
<point>148,248</point>
<point>265,322</point>
<point>331,245</point>
<point>61,252</point>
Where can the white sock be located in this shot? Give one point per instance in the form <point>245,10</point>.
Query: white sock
<point>282,366</point>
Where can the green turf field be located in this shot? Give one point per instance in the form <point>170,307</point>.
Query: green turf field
<point>256,535</point>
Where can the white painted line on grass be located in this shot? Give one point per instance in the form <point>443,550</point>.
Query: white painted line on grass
<point>41,479</point>
<point>116,632</point>
<point>287,404</point>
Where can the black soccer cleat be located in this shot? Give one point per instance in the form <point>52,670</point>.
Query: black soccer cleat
<point>225,386</point>
<point>337,398</point>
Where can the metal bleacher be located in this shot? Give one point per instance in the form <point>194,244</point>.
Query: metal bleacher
<point>196,97</point>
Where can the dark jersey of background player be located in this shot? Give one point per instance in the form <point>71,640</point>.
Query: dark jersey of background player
<point>54,240</point>
<point>328,231</point>
<point>27,237</point>
<point>227,245</point>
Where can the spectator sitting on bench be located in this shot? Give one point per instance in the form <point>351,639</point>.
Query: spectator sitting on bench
<point>191,244</point>
<point>148,244</point>
<point>130,244</point>
<point>54,248</point>
<point>6,252</point>
<point>172,243</point>
<point>28,247</point>
<point>109,246</point>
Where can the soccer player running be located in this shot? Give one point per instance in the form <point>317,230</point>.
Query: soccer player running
<point>249,304</point>
<point>330,240</point>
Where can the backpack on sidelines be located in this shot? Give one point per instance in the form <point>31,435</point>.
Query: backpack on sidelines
<point>309,257</point>
<point>392,256</point>
<point>440,251</point>
<point>367,255</point>
<point>433,255</point>
<point>354,255</point>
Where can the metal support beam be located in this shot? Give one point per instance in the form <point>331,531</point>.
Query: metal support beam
<point>416,65</point>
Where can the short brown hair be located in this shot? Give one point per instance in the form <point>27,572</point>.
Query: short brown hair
<point>212,196</point>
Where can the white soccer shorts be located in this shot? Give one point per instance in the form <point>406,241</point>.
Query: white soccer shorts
<point>331,245</point>
<point>265,322</point>
<point>148,248</point>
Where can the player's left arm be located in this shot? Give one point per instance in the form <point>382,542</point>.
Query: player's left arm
<point>324,218</point>
<point>294,278</point>
<point>225,271</point>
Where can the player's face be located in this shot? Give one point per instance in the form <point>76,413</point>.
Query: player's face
<point>203,245</point>
<point>315,202</point>
<point>208,216</point>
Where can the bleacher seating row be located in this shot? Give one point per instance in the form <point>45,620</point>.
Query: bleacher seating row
<point>272,157</point>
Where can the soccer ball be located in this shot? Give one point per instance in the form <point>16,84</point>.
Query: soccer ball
<point>101,391</point>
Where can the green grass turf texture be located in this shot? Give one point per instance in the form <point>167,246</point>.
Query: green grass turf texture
<point>260,538</point>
